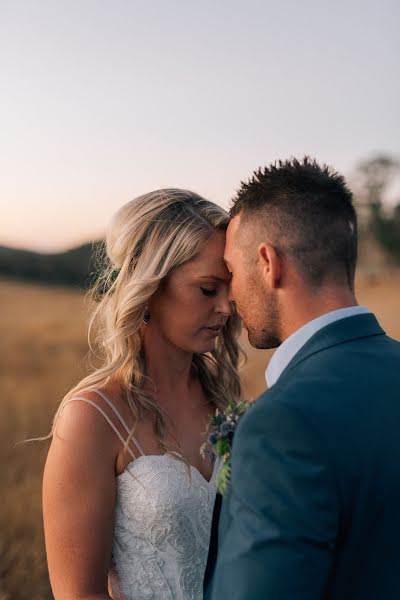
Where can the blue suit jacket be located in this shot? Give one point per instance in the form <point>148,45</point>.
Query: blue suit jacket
<point>313,508</point>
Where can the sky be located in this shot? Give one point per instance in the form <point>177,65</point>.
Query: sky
<point>104,100</point>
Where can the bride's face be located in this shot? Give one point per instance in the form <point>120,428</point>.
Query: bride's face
<point>190,308</point>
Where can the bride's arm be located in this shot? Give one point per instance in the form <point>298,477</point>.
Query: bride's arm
<point>78,504</point>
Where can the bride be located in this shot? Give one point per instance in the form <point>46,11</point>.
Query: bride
<point>127,496</point>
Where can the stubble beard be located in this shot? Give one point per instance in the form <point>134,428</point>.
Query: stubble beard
<point>265,333</point>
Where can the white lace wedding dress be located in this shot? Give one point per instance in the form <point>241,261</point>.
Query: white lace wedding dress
<point>162,526</point>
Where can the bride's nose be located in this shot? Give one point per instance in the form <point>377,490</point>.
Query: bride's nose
<point>224,306</point>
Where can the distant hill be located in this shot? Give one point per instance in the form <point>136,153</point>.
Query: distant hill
<point>72,267</point>
<point>77,267</point>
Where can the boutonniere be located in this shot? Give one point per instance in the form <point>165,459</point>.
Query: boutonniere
<point>221,431</point>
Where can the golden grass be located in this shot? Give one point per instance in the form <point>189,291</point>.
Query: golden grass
<point>42,340</point>
<point>42,346</point>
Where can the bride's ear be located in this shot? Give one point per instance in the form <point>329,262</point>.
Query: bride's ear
<point>270,264</point>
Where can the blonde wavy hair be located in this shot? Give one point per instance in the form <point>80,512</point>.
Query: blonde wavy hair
<point>147,238</point>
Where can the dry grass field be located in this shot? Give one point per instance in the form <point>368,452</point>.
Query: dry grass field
<point>42,346</point>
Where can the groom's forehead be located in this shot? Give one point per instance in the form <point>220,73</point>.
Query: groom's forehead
<point>231,236</point>
<point>232,231</point>
<point>233,227</point>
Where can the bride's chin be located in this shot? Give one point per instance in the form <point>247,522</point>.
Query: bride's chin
<point>201,343</point>
<point>209,347</point>
<point>202,347</point>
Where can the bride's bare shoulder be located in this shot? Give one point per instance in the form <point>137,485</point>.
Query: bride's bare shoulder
<point>84,421</point>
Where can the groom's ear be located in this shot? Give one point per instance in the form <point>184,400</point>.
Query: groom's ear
<point>270,264</point>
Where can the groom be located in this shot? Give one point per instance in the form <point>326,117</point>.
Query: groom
<point>313,507</point>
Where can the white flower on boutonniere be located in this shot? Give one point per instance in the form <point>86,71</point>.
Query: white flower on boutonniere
<point>221,431</point>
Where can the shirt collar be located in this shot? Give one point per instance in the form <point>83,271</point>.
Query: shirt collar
<point>290,347</point>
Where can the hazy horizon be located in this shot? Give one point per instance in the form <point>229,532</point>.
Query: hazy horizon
<point>104,102</point>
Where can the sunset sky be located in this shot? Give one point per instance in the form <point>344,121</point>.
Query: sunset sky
<point>104,100</point>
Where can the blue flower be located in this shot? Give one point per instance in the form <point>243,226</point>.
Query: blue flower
<point>212,438</point>
<point>226,428</point>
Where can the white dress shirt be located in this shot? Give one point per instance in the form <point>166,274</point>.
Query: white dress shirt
<point>290,347</point>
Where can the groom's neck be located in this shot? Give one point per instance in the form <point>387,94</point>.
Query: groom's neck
<point>301,306</point>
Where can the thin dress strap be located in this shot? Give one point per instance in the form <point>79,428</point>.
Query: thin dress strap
<point>107,418</point>
<point>121,419</point>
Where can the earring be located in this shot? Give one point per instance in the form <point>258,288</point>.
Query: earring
<point>146,316</point>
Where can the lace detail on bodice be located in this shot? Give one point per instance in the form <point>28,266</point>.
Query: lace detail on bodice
<point>162,526</point>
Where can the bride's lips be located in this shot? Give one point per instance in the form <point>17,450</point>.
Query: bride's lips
<point>215,329</point>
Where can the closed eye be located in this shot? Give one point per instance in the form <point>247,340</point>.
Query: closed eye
<point>208,292</point>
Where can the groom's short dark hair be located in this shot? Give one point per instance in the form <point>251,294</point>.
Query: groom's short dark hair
<point>307,212</point>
